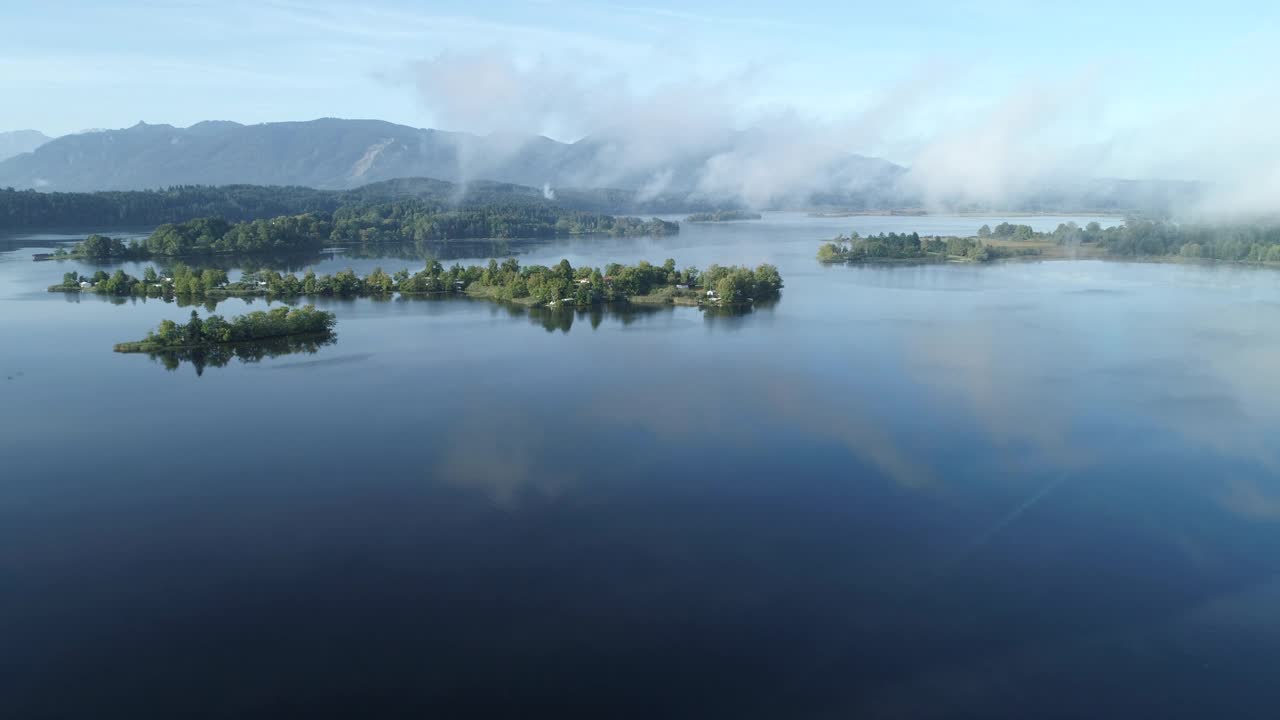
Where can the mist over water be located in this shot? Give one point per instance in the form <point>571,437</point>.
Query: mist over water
<point>1024,489</point>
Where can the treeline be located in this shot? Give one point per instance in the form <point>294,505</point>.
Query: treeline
<point>1153,238</point>
<point>251,327</point>
<point>406,221</point>
<point>1248,243</point>
<point>723,216</point>
<point>418,221</point>
<point>30,209</point>
<point>148,208</point>
<point>508,280</point>
<point>1231,243</point>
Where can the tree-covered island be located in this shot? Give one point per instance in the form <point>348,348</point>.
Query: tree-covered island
<point>405,221</point>
<point>1135,238</point>
<point>723,216</point>
<point>281,322</point>
<point>913,248</point>
<point>506,281</point>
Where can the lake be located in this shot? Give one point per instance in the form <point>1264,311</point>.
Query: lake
<point>1029,489</point>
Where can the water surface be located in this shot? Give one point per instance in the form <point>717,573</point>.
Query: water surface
<point>1027,489</point>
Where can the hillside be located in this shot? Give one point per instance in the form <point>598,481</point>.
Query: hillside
<point>601,173</point>
<point>342,154</point>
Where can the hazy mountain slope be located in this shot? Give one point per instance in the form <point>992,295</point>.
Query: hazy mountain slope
<point>20,141</point>
<point>340,154</point>
<point>739,169</point>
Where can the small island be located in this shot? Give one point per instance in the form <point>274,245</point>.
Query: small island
<point>508,281</point>
<point>723,216</point>
<point>213,331</point>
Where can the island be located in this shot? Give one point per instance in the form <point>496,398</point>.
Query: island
<point>508,281</point>
<point>402,221</point>
<point>197,334</point>
<point>912,248</point>
<point>723,216</point>
<point>1136,238</point>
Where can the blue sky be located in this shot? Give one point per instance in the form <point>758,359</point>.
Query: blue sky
<point>1120,79</point>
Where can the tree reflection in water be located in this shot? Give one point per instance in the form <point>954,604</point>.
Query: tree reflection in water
<point>247,352</point>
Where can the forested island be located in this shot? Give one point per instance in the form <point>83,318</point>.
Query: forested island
<point>1135,238</point>
<point>507,281</point>
<point>215,341</point>
<point>407,221</point>
<point>723,216</point>
<point>912,247</point>
<point>215,330</point>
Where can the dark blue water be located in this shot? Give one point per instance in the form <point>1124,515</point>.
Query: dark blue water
<point>1032,489</point>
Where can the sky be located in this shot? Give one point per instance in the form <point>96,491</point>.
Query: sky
<point>1128,89</point>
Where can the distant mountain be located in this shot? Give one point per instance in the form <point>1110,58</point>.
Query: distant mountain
<point>746,168</point>
<point>341,154</point>
<point>20,141</point>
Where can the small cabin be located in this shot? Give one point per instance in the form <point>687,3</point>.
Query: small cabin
<point>681,286</point>
<point>85,284</point>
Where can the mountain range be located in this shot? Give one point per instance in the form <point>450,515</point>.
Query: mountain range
<point>337,154</point>
<point>340,154</point>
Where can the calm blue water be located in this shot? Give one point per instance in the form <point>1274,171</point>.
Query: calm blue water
<point>1046,489</point>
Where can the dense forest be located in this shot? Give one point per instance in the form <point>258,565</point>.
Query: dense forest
<point>404,221</point>
<point>419,220</point>
<point>506,281</point>
<point>1231,243</point>
<point>33,210</point>
<point>29,209</point>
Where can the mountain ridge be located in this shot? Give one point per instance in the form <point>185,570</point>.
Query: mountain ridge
<point>335,154</point>
<point>739,168</point>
